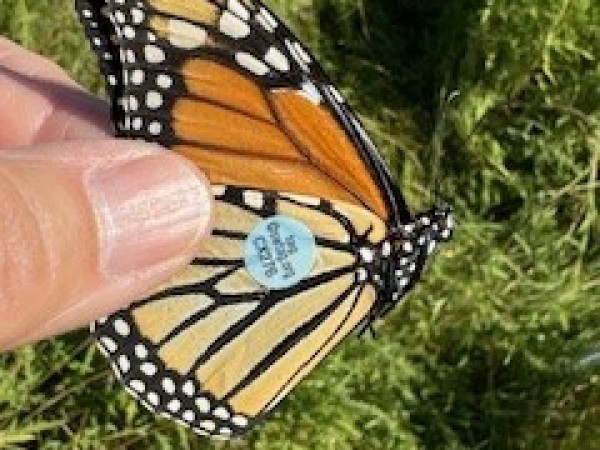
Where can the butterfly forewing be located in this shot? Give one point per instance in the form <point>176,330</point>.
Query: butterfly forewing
<point>218,80</point>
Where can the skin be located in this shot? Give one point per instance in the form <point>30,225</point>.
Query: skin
<point>88,224</point>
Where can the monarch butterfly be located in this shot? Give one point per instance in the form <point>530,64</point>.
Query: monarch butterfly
<point>312,239</point>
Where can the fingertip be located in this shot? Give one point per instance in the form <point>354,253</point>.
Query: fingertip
<point>101,224</point>
<point>149,210</point>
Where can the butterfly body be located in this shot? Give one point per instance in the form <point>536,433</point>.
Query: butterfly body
<point>312,239</point>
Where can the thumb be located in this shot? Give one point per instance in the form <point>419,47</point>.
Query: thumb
<point>88,227</point>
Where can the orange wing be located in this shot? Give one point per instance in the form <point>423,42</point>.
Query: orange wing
<point>281,140</point>
<point>226,84</point>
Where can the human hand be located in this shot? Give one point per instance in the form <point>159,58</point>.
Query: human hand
<point>88,224</point>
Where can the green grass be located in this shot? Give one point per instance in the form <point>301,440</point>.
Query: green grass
<point>487,353</point>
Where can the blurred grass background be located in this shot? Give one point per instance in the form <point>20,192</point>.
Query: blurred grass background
<point>496,348</point>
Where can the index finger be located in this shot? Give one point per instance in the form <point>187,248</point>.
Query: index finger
<point>40,103</point>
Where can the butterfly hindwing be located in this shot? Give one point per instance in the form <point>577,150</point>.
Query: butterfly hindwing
<point>215,349</point>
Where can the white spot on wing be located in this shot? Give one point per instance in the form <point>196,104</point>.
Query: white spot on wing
<point>138,386</point>
<point>153,398</point>
<point>386,249</point>
<point>148,369</point>
<point>154,100</point>
<point>109,344</point>
<point>221,413</point>
<point>203,404</point>
<point>168,385</point>
<point>233,26</point>
<point>254,199</point>
<point>362,274</point>
<point>174,405</point>
<point>311,92</point>
<point>237,8</point>
<point>218,190</point>
<point>208,425</point>
<point>240,421</point>
<point>336,94</point>
<point>276,59</point>
<point>137,16</point>
<point>294,52</point>
<point>121,327</point>
<point>137,77</point>
<point>185,35</point>
<point>124,364</point>
<point>188,416</point>
<point>164,81</point>
<point>266,20</point>
<point>188,388</point>
<point>154,54</point>
<point>302,53</point>
<point>137,123</point>
<point>128,32</point>
<point>155,128</point>
<point>367,255</point>
<point>251,63</point>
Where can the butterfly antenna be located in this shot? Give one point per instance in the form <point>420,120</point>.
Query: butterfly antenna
<point>437,141</point>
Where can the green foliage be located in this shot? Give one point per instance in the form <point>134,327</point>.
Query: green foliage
<point>490,351</point>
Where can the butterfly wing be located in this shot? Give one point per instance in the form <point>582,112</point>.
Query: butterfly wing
<point>101,34</point>
<point>222,80</point>
<point>212,348</point>
<point>224,83</point>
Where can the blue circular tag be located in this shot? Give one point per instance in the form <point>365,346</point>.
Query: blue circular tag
<point>280,252</point>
